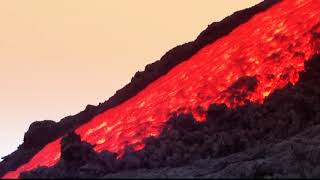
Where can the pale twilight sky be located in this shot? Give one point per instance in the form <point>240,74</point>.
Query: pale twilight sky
<point>57,56</point>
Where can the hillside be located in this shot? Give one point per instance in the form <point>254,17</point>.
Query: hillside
<point>245,83</point>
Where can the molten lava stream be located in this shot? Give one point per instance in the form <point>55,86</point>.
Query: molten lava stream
<point>270,49</point>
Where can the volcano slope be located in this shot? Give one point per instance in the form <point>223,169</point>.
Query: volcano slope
<point>38,135</point>
<point>277,139</point>
<point>241,69</point>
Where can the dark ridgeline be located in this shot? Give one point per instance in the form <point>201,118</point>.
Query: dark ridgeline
<point>42,132</point>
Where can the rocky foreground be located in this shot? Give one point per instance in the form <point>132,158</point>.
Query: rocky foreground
<point>294,157</point>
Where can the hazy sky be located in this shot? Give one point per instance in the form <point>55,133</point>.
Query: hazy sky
<point>57,56</point>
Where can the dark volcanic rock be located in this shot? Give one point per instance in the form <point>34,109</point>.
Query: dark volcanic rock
<point>295,157</point>
<point>74,152</point>
<point>39,133</point>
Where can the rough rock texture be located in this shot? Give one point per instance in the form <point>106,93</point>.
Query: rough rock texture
<point>280,138</point>
<point>140,80</point>
<point>295,157</point>
<point>39,132</point>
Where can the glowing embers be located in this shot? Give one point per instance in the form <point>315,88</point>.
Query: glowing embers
<point>258,57</point>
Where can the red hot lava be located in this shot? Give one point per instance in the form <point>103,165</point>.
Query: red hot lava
<point>271,48</point>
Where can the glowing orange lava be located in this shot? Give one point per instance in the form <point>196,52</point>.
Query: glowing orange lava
<point>272,47</point>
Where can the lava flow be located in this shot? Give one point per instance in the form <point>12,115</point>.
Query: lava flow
<point>262,55</point>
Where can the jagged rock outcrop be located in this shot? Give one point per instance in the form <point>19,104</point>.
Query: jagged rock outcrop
<point>295,157</point>
<point>39,133</point>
